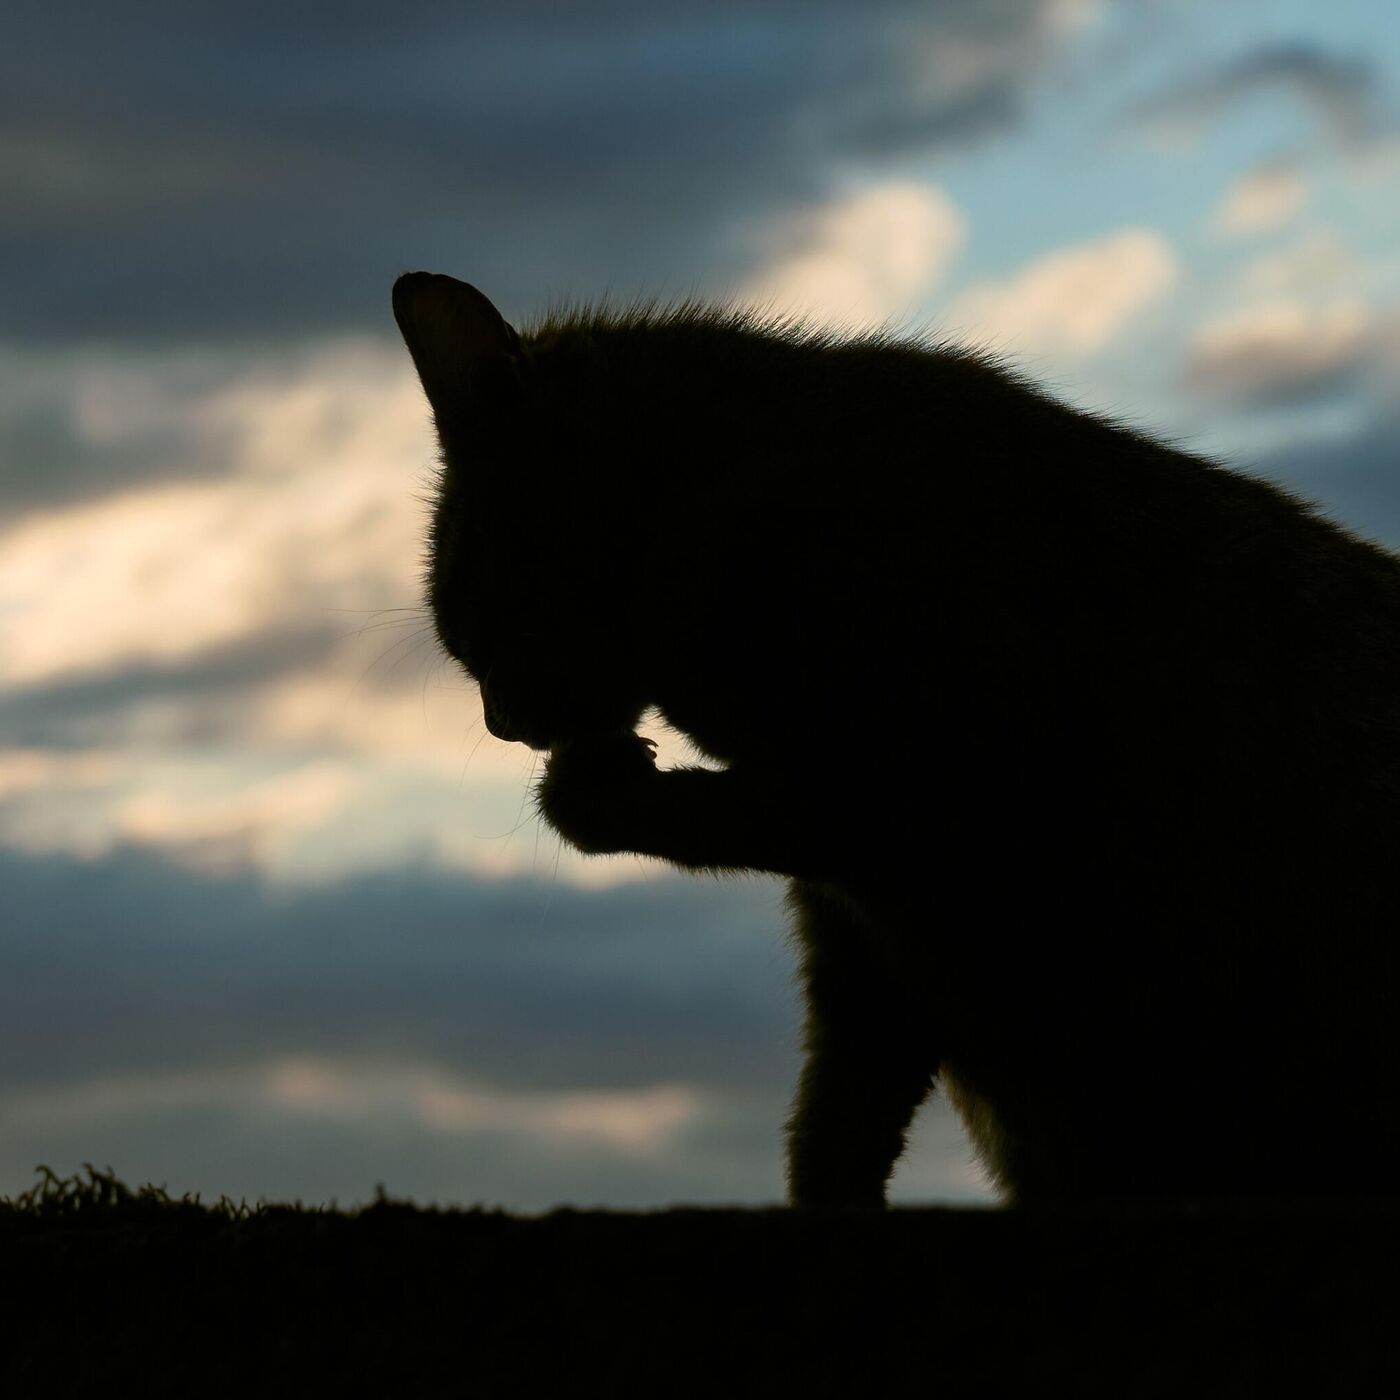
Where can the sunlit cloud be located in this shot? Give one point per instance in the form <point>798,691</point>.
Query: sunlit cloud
<point>231,829</point>
<point>317,510</point>
<point>297,819</point>
<point>864,259</point>
<point>643,1120</point>
<point>1261,200</point>
<point>161,628</point>
<point>1318,258</point>
<point>646,1120</point>
<point>1074,300</point>
<point>1280,349</point>
<point>303,779</point>
<point>31,770</point>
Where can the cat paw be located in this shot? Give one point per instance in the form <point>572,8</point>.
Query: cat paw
<point>594,790</point>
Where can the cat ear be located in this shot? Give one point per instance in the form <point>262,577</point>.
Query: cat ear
<point>456,337</point>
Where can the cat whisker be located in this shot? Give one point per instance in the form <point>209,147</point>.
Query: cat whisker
<point>412,652</point>
<point>480,739</point>
<point>374,615</point>
<point>427,675</point>
<point>418,635</point>
<point>529,788</point>
<point>520,818</point>
<point>379,627</point>
<point>506,835</point>
<point>553,882</point>
<point>372,611</point>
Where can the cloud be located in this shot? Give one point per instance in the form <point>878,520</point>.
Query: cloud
<point>297,817</point>
<point>1261,200</point>
<point>218,639</point>
<point>186,174</point>
<point>957,73</point>
<point>1341,91</point>
<point>458,1039</point>
<point>322,1129</point>
<point>361,1091</point>
<point>183,700</point>
<point>229,829</point>
<point>313,502</point>
<point>1281,351</point>
<point>81,424</point>
<point>1074,300</point>
<point>1316,259</point>
<point>1354,477</point>
<point>863,259</point>
<point>134,964</point>
<point>23,770</point>
<point>644,1120</point>
<point>214,644</point>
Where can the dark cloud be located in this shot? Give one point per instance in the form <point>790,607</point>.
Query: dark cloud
<point>132,964</point>
<point>202,171</point>
<point>1286,373</point>
<point>139,1001</point>
<point>131,972</point>
<point>48,462</point>
<point>48,459</point>
<point>1342,90</point>
<point>1357,480</point>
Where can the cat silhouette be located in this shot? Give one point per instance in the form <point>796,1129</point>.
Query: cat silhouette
<point>1079,752</point>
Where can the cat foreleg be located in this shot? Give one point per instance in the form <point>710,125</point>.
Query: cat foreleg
<point>868,1062</point>
<point>604,794</point>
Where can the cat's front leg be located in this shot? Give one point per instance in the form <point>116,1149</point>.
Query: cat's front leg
<point>603,793</point>
<point>869,1063</point>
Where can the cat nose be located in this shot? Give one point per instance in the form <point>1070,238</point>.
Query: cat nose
<point>502,726</point>
<point>496,722</point>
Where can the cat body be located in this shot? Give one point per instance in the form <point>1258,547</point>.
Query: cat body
<point>1081,754</point>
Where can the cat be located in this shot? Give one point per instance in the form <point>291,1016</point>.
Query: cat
<point>1080,753</point>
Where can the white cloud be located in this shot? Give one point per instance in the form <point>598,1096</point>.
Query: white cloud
<point>369,754</point>
<point>643,1121</point>
<point>1260,201</point>
<point>1317,257</point>
<point>1069,16</point>
<point>232,827</point>
<point>864,259</point>
<point>301,816</point>
<point>26,770</point>
<point>1279,348</point>
<point>1074,300</point>
<point>319,511</point>
<point>1375,163</point>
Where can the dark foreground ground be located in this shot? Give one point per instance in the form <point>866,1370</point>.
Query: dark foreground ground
<point>112,1288</point>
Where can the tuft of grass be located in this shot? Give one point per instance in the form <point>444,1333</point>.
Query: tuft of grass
<point>101,1194</point>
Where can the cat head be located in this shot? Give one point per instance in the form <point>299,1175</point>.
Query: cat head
<point>534,560</point>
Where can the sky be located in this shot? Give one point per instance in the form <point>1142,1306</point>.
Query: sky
<point>276,919</point>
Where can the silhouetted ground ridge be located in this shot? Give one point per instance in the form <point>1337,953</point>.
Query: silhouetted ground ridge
<point>119,1287</point>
